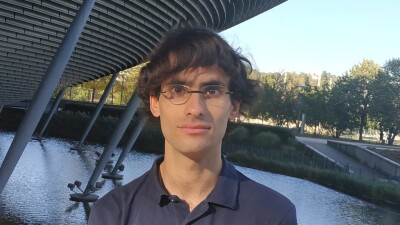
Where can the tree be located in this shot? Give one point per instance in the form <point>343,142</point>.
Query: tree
<point>342,107</point>
<point>364,74</point>
<point>92,90</point>
<point>385,102</point>
<point>271,99</point>
<point>316,100</point>
<point>125,84</point>
<point>278,98</point>
<point>94,85</point>
<point>367,69</point>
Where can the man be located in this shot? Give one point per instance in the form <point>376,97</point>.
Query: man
<point>194,83</point>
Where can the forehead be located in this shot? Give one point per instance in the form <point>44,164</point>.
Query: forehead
<point>199,76</point>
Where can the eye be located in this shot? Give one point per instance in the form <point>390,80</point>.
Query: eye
<point>178,90</point>
<point>212,90</point>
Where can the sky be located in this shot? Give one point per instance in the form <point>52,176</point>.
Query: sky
<point>313,36</point>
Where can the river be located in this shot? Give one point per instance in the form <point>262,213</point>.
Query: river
<point>37,191</point>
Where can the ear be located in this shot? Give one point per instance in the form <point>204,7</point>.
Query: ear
<point>235,110</point>
<point>154,106</point>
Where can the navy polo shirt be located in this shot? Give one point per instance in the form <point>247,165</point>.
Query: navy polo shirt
<point>235,199</point>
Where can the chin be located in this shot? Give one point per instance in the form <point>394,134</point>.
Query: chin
<point>200,151</point>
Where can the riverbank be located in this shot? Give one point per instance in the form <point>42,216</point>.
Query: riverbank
<point>375,191</point>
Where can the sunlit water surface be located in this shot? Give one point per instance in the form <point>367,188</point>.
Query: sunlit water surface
<point>37,191</point>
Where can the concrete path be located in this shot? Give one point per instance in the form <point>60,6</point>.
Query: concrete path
<point>354,166</point>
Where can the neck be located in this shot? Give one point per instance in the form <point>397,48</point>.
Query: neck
<point>190,179</point>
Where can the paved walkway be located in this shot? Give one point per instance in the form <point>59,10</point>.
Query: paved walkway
<point>355,166</point>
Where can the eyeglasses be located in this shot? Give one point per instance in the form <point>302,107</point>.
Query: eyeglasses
<point>179,94</point>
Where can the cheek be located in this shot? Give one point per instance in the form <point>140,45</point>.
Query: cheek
<point>165,130</point>
<point>167,120</point>
<point>221,119</point>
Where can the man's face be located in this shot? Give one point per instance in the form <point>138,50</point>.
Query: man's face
<point>196,127</point>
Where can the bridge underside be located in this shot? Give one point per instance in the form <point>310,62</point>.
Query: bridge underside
<point>117,35</point>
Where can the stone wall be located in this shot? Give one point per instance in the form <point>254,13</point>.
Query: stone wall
<point>369,158</point>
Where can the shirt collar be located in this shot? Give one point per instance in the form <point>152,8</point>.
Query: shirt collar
<point>153,184</point>
<point>224,194</point>
<point>226,191</point>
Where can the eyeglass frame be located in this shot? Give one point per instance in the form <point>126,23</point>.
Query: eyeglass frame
<point>190,91</point>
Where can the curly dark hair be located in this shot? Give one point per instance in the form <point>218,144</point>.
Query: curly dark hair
<point>192,48</point>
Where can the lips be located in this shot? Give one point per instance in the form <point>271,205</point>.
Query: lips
<point>194,128</point>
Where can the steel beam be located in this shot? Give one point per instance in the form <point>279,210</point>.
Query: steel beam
<point>132,139</point>
<point>43,93</point>
<point>123,123</point>
<point>96,112</point>
<point>54,106</point>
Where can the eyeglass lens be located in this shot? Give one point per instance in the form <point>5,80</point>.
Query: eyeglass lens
<point>179,94</point>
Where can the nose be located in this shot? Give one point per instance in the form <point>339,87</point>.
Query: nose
<point>195,106</point>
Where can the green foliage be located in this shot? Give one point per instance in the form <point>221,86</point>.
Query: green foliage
<point>277,100</point>
<point>284,134</point>
<point>385,92</point>
<point>11,118</point>
<point>70,125</point>
<point>285,96</point>
<point>120,94</point>
<point>240,134</point>
<point>316,101</point>
<point>77,93</point>
<point>151,139</point>
<point>342,113</point>
<point>349,102</point>
<point>377,192</point>
<point>367,69</point>
<point>89,108</point>
<point>267,140</point>
<point>365,97</point>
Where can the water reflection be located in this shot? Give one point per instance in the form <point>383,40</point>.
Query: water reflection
<point>37,191</point>
<point>320,205</point>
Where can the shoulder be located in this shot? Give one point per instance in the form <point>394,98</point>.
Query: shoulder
<point>112,205</point>
<point>259,192</point>
<point>123,193</point>
<point>263,200</point>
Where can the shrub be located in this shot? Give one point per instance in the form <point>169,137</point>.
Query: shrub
<point>11,118</point>
<point>378,192</point>
<point>89,108</point>
<point>151,139</point>
<point>71,125</point>
<point>267,140</point>
<point>239,135</point>
<point>285,134</point>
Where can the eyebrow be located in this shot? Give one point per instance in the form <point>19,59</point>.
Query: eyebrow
<point>175,81</point>
<point>202,84</point>
<point>212,82</point>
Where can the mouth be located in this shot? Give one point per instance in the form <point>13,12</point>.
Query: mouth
<point>194,128</point>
